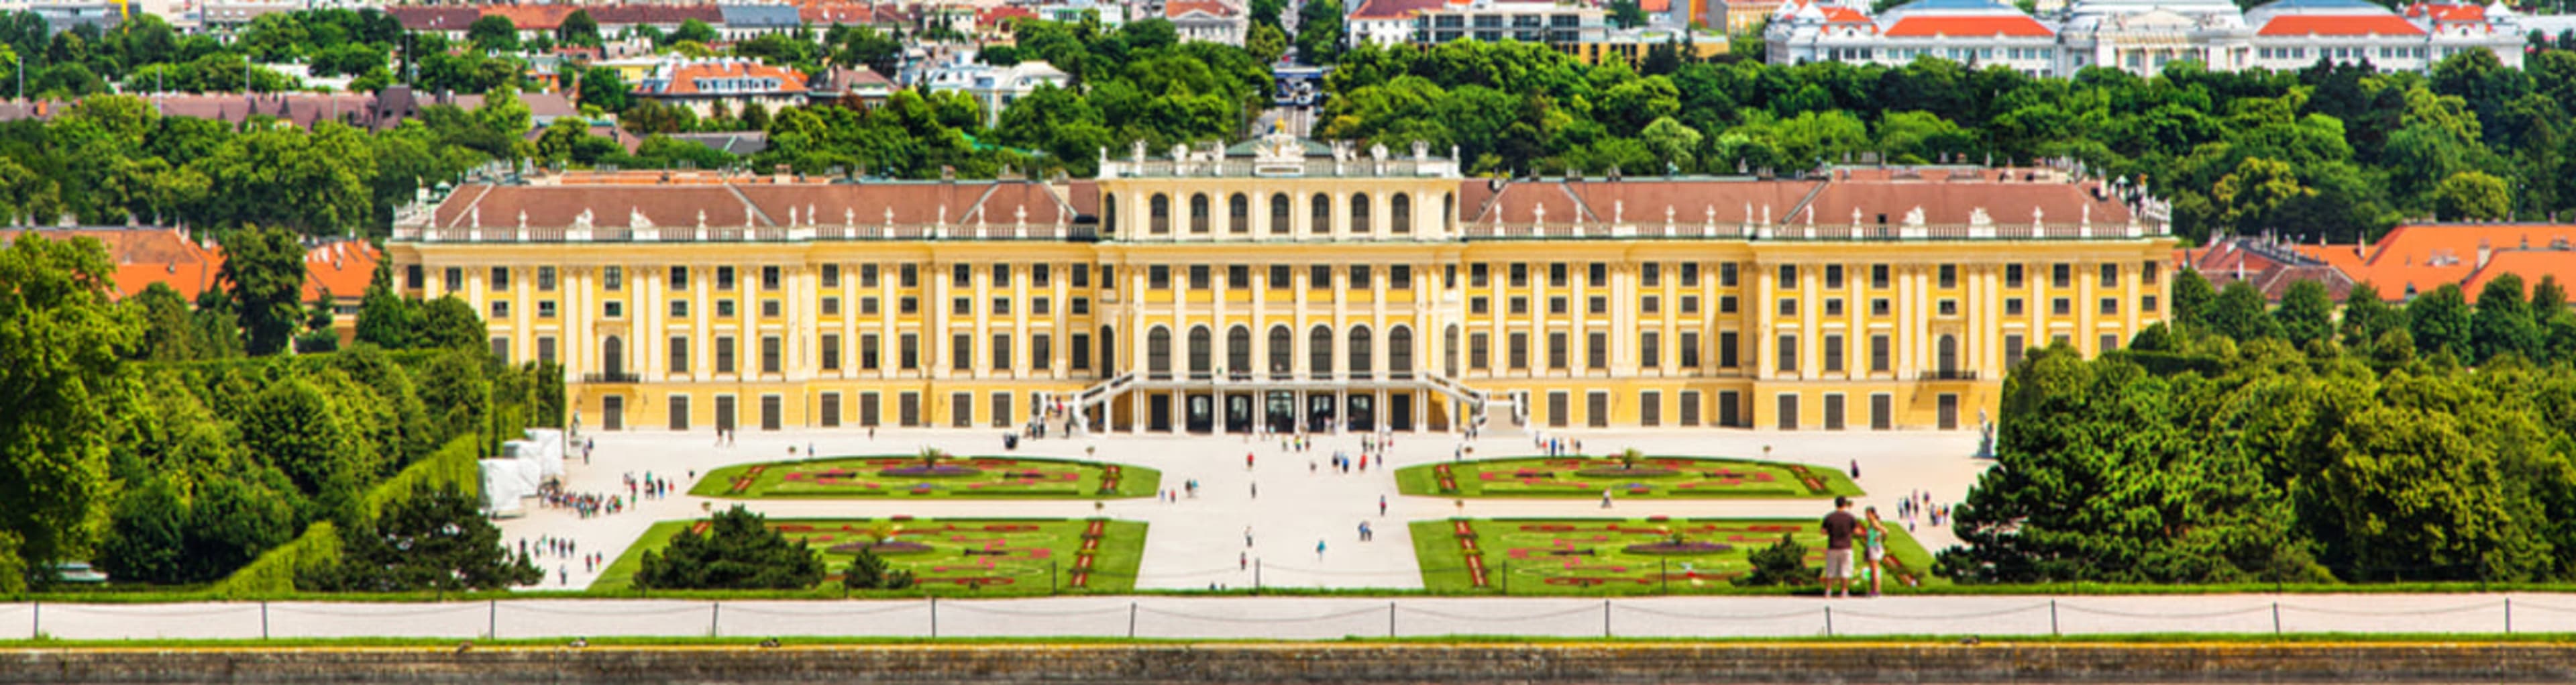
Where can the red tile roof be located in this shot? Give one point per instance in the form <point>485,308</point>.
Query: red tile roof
<point>1655,6</point>
<point>2447,12</point>
<point>2425,257</point>
<point>2531,265</point>
<point>684,80</point>
<point>532,17</point>
<point>344,267</point>
<point>2018,26</point>
<point>615,15</point>
<point>1177,8</point>
<point>1394,9</point>
<point>2349,25</point>
<point>145,256</point>
<point>1837,14</point>
<point>424,18</point>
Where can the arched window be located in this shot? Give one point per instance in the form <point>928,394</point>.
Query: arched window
<point>1109,214</point>
<point>1238,215</point>
<point>1399,214</point>
<point>1238,350</point>
<point>1281,350</point>
<point>1360,350</point>
<point>1161,213</point>
<point>1949,355</point>
<point>1399,350</point>
<point>612,356</point>
<point>1199,342</point>
<point>1319,351</point>
<point>1359,213</point>
<point>1198,214</point>
<point>1279,214</point>
<point>1158,352</point>
<point>1320,220</point>
<point>1449,351</point>
<point>1448,211</point>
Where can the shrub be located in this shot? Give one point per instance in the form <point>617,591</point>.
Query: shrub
<point>738,551</point>
<point>1780,564</point>
<point>868,572</point>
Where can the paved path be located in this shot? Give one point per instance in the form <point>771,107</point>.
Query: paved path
<point>1196,543</point>
<point>1317,618</point>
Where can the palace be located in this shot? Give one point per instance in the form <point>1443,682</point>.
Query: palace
<point>1288,284</point>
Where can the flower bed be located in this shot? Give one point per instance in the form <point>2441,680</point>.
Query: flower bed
<point>1669,548</point>
<point>1676,477</point>
<point>933,471</point>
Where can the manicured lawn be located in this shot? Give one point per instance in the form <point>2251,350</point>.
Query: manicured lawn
<point>1592,557</point>
<point>955,556</point>
<point>1653,476</point>
<point>960,477</point>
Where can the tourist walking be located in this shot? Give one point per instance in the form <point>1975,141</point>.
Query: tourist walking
<point>1838,527</point>
<point>1247,537</point>
<point>1319,549</point>
<point>1874,547</point>
<point>1381,506</point>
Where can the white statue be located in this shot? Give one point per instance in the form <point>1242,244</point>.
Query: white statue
<point>1977,217</point>
<point>1914,217</point>
<point>523,219</point>
<point>1618,211</point>
<point>635,218</point>
<point>582,221</point>
<point>702,218</point>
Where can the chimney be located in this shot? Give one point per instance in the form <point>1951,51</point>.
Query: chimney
<point>2484,253</point>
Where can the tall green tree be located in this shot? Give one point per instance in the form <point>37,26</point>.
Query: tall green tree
<point>2503,322</point>
<point>1319,31</point>
<point>2192,298</point>
<point>2439,322</point>
<point>60,356</point>
<point>739,551</point>
<point>433,539</point>
<point>2238,313</point>
<point>2366,317</point>
<point>264,270</point>
<point>2306,313</point>
<point>493,32</point>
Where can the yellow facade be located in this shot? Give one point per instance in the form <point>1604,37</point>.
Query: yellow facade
<point>1280,286</point>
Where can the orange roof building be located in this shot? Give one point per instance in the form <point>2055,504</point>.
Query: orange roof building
<point>700,84</point>
<point>2282,35</point>
<point>2410,260</point>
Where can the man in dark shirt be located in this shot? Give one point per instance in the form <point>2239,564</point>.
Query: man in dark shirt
<point>1838,548</point>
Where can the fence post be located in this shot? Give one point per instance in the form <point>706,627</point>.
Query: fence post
<point>36,615</point>
<point>934,616</point>
<point>1507,578</point>
<point>1131,619</point>
<point>715,610</point>
<point>1663,570</point>
<point>1051,589</point>
<point>263,620</point>
<point>1256,576</point>
<point>492,619</point>
<point>2508,615</point>
<point>2276,618</point>
<point>2052,618</point>
<point>1829,621</point>
<point>1390,618</point>
<point>1605,618</point>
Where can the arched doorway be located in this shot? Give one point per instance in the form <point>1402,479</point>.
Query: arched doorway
<point>1949,356</point>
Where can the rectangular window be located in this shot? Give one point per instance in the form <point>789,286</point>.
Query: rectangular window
<point>1788,306</point>
<point>1949,307</point>
<point>1109,276</point>
<point>1278,277</point>
<point>1878,353</point>
<point>867,275</point>
<point>908,352</point>
<point>2061,275</point>
<point>2012,350</point>
<point>2110,275</point>
<point>769,354</point>
<point>1519,351</point>
<point>455,279</point>
<point>1079,355</point>
<point>724,354</point>
<point>2147,273</point>
<point>1001,410</point>
<point>1650,349</point>
<point>2110,306</point>
<point>500,279</point>
<point>831,352</point>
<point>2012,275</point>
<point>1834,412</point>
<point>546,278</point>
<point>1520,305</point>
<point>1478,305</point>
<point>830,409</point>
<point>1833,353</point>
<point>1039,306</point>
<point>961,352</point>
<point>1556,306</point>
<point>1597,275</point>
<point>1788,411</point>
<point>961,410</point>
<point>769,308</point>
<point>1690,349</point>
<point>1082,275</point>
<point>545,309</point>
<point>1238,276</point>
<point>1042,275</point>
<point>1652,274</point>
<point>679,278</point>
<point>868,352</point>
<point>831,306</point>
<point>1650,305</point>
<point>1360,277</point>
<point>1878,275</point>
<point>1198,277</point>
<point>1596,351</point>
<point>908,305</point>
<point>1001,276</point>
<point>1650,408</point>
<point>679,412</point>
<point>961,306</point>
<point>1556,350</point>
<point>724,308</point>
<point>2110,342</point>
<point>1556,275</point>
<point>501,350</point>
<point>500,309</point>
<point>2061,306</point>
<point>1834,276</point>
<point>724,278</point>
<point>961,276</point>
<point>1041,351</point>
<point>1001,352</point>
<point>1319,277</point>
<point>1596,305</point>
<point>1725,274</point>
<point>1001,306</point>
<point>412,276</point>
<point>1081,306</point>
<point>2012,306</point>
<point>1690,408</point>
<point>2147,304</point>
<point>769,278</point>
<point>679,354</point>
<point>1788,276</point>
<point>1690,304</point>
<point>831,275</point>
<point>1788,354</point>
<point>1727,350</point>
<point>1949,275</point>
<point>1158,277</point>
<point>1833,306</point>
<point>1479,354</point>
<point>1399,277</point>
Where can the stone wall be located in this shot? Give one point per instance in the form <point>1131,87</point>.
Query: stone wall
<point>1274,664</point>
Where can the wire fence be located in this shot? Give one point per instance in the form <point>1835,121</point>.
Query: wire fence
<point>1306,617</point>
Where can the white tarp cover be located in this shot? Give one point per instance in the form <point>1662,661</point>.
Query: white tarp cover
<point>549,451</point>
<point>507,483</point>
